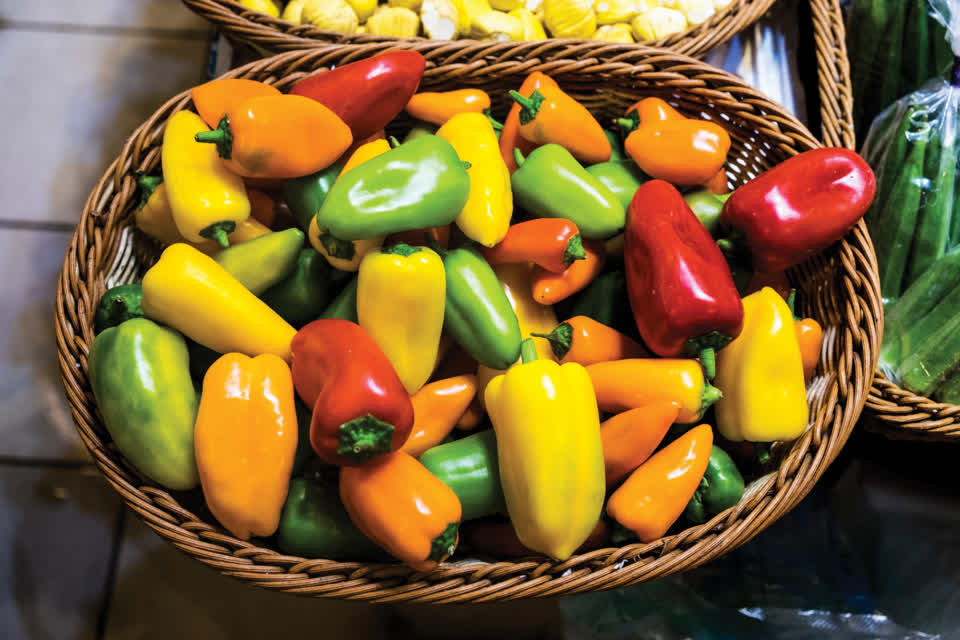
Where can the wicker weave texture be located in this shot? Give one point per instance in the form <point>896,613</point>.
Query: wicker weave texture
<point>274,35</point>
<point>839,288</point>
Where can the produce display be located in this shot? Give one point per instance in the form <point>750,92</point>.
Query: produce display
<point>623,21</point>
<point>529,332</point>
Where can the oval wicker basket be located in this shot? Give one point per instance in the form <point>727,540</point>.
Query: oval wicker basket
<point>839,288</point>
<point>899,414</point>
<point>274,35</point>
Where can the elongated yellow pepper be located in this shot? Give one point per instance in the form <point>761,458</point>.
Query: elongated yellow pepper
<point>206,199</point>
<point>401,292</point>
<point>334,249</point>
<point>486,216</point>
<point>761,375</point>
<point>550,452</point>
<point>190,292</point>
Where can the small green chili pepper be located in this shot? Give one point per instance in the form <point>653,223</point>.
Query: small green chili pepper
<point>720,488</point>
<point>260,263</point>
<point>305,195</point>
<point>304,294</point>
<point>469,467</point>
<point>117,305</point>
<point>622,178</point>
<point>707,206</point>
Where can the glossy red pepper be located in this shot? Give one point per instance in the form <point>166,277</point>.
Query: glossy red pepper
<point>551,243</point>
<point>682,293</point>
<point>369,93</point>
<point>800,206</point>
<point>360,408</point>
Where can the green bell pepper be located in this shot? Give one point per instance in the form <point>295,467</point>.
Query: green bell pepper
<point>421,183</point>
<point>117,305</point>
<point>621,178</point>
<point>305,195</point>
<point>303,295</point>
<point>552,184</point>
<point>469,467</point>
<point>707,206</point>
<point>314,524</point>
<point>478,313</point>
<point>720,488</point>
<point>344,306</point>
<point>141,380</point>
<point>260,263</point>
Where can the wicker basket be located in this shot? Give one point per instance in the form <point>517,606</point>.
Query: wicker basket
<point>273,35</point>
<point>839,288</point>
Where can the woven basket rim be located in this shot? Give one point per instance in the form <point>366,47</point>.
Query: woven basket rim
<point>275,34</point>
<point>768,499</point>
<point>900,414</point>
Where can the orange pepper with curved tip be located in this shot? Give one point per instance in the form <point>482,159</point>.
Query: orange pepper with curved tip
<point>402,507</point>
<point>550,288</point>
<point>213,99</point>
<point>550,116</point>
<point>718,183</point>
<point>245,440</point>
<point>810,339</point>
<point>668,146</point>
<point>437,407</point>
<point>583,340</point>
<point>438,107</point>
<point>629,438</point>
<point>282,136</point>
<point>510,137</point>
<point>655,495</point>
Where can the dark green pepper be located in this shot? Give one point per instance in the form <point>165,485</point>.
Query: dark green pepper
<point>305,195</point>
<point>201,359</point>
<point>622,178</point>
<point>421,183</point>
<point>720,488</point>
<point>707,206</point>
<point>141,380</point>
<point>260,263</point>
<point>606,301</point>
<point>469,467</point>
<point>344,306</point>
<point>420,129</point>
<point>117,305</point>
<point>478,313</point>
<point>305,452</point>
<point>304,295</point>
<point>314,524</point>
<point>552,184</point>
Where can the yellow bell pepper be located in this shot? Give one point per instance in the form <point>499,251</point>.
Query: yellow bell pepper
<point>615,33</point>
<point>332,15</point>
<point>761,375</point>
<point>486,216</point>
<point>397,22</point>
<point>268,7</point>
<point>363,8</point>
<point>401,291</point>
<point>293,12</point>
<point>532,27</point>
<point>245,440</point>
<point>506,5</point>
<point>206,199</point>
<point>496,26</point>
<point>335,250</point>
<point>468,11</point>
<point>614,11</point>
<point>570,18</point>
<point>190,292</point>
<point>550,452</point>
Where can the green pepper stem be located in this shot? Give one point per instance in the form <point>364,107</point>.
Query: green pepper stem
<point>529,107</point>
<point>147,185</point>
<point>710,395</point>
<point>400,249</point>
<point>628,124</point>
<point>466,165</point>
<point>497,126</point>
<point>221,136</point>
<point>337,248</point>
<point>518,157</point>
<point>708,360</point>
<point>763,452</point>
<point>528,351</point>
<point>364,438</point>
<point>394,143</point>
<point>792,303</point>
<point>574,250</point>
<point>444,544</point>
<point>220,232</point>
<point>560,339</point>
<point>726,245</point>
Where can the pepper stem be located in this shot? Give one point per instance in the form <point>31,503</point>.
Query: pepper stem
<point>708,360</point>
<point>792,303</point>
<point>364,438</point>
<point>628,124</point>
<point>726,245</point>
<point>560,339</point>
<point>497,126</point>
<point>400,249</point>
<point>518,157</point>
<point>394,143</point>
<point>434,244</point>
<point>219,232</point>
<point>337,248</point>
<point>528,351</point>
<point>444,544</point>
<point>574,250</point>
<point>466,165</point>
<point>694,347</point>
<point>147,185</point>
<point>710,395</point>
<point>221,136</point>
<point>529,107</point>
<point>763,452</point>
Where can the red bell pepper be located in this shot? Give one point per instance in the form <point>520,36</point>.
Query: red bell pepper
<point>682,293</point>
<point>369,93</point>
<point>551,243</point>
<point>800,206</point>
<point>360,408</point>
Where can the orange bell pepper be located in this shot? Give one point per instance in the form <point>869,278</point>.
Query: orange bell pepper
<point>499,539</point>
<point>213,99</point>
<point>550,288</point>
<point>655,495</point>
<point>510,138</point>
<point>437,407</point>
<point>810,339</point>
<point>245,440</point>
<point>402,507</point>
<point>551,116</point>
<point>629,438</point>
<point>281,136</point>
<point>583,340</point>
<point>668,146</point>
<point>438,107</point>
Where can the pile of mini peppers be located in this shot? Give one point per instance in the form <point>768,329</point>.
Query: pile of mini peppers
<point>372,325</point>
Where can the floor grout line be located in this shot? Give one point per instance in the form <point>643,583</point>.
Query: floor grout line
<point>37,225</point>
<point>103,617</point>
<point>104,29</point>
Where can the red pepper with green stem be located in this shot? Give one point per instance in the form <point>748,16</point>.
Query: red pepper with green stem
<point>360,408</point>
<point>681,291</point>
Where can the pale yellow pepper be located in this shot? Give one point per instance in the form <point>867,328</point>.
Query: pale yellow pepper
<point>532,27</point>
<point>440,19</point>
<point>207,200</point>
<point>397,22</point>
<point>549,451</point>
<point>413,5</point>
<point>658,23</point>
<point>615,33</point>
<point>506,5</point>
<point>332,15</point>
<point>188,291</point>
<point>485,217</point>
<point>363,8</point>
<point>614,11</point>
<point>570,18</point>
<point>268,7</point>
<point>468,13</point>
<point>293,12</point>
<point>496,26</point>
<point>401,291</point>
<point>696,11</point>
